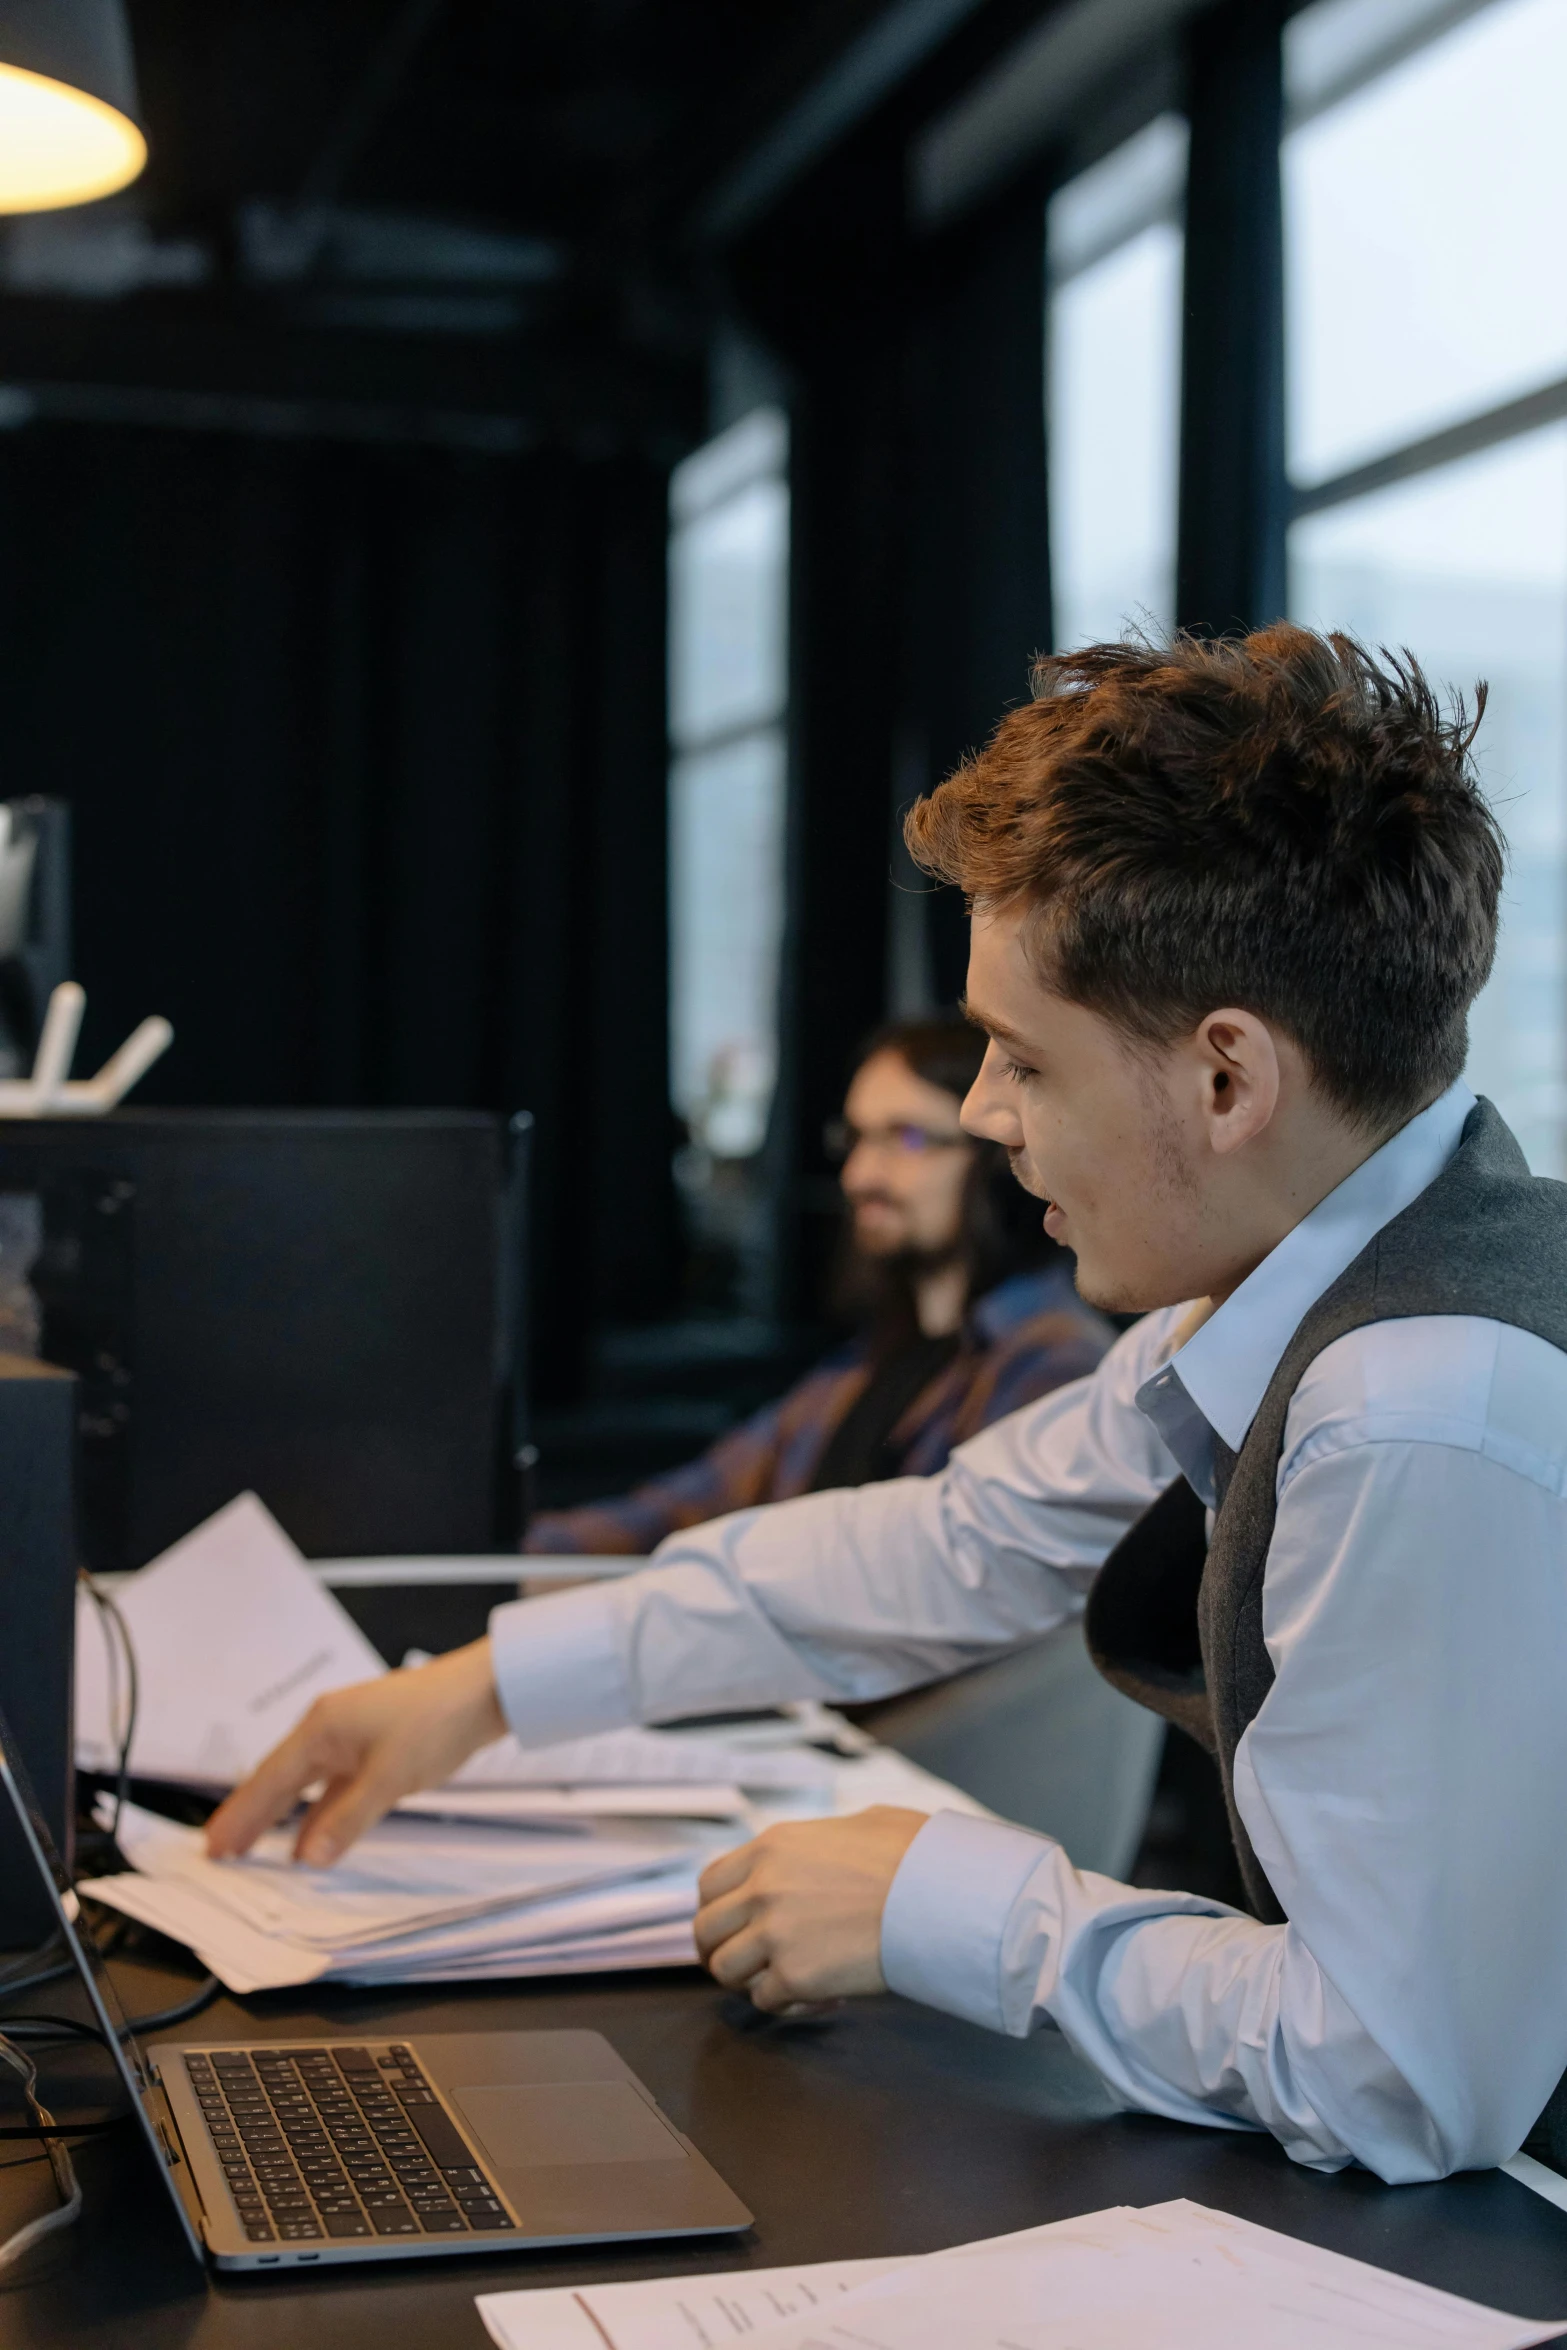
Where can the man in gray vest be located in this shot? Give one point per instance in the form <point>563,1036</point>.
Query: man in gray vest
<point>1231,904</point>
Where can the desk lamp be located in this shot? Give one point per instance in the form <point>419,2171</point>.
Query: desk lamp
<point>68,110</point>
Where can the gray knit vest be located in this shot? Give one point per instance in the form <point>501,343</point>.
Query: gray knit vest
<point>1177,1623</point>
<point>1180,1629</point>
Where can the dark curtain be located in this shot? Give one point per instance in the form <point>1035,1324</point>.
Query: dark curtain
<point>364,748</point>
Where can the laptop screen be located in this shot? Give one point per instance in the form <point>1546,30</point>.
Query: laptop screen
<point>85,1955</point>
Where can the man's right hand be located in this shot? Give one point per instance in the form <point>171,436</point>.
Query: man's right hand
<point>365,1747</point>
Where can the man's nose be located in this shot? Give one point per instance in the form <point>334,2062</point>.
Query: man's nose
<point>990,1111</point>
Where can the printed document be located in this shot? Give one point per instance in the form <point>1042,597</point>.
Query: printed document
<point>234,1639</point>
<point>1177,2275</point>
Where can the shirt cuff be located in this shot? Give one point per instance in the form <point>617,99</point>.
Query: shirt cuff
<point>557,1665</point>
<point>945,1921</point>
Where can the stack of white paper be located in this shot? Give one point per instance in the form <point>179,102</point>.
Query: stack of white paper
<point>414,1900</point>
<point>552,1860</point>
<point>1175,2274</point>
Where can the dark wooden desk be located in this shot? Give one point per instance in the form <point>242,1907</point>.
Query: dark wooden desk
<point>885,2130</point>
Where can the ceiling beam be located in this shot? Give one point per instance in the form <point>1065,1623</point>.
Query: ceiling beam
<point>243,370</point>
<point>865,73</point>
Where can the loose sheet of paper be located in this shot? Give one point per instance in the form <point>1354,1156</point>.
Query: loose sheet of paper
<point>1177,2275</point>
<point>670,2313</point>
<point>234,1638</point>
<point>692,2313</point>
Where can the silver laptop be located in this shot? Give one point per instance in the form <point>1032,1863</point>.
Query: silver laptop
<point>290,2152</point>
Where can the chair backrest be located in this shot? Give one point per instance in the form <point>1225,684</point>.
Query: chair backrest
<point>1042,1738</point>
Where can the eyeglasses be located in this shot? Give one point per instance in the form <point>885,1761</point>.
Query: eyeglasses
<point>839,1138</point>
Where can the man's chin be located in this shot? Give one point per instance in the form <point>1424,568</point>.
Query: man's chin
<point>1114,1292</point>
<point>882,1241</point>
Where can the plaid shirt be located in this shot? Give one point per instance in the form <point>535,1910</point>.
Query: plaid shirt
<point>1021,1339</point>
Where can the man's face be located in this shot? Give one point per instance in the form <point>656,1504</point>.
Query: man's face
<point>903,1177</point>
<point>1092,1128</point>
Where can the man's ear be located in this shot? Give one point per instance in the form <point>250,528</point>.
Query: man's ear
<point>1238,1067</point>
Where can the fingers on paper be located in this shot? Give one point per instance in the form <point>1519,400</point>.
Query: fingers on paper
<point>315,1750</point>
<point>343,1812</point>
<point>267,1796</point>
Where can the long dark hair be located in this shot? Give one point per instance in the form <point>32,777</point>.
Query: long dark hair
<point>1000,1231</point>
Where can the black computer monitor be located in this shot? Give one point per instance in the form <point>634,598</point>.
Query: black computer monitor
<point>323,1307</point>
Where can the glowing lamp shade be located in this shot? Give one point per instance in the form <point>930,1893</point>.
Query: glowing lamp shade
<point>68,127</point>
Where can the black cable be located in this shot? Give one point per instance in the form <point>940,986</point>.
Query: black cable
<point>29,1974</point>
<point>50,2027</point>
<point>107,2121</point>
<point>44,2027</point>
<point>202,1997</point>
<point>48,1974</point>
<point>109,1615</point>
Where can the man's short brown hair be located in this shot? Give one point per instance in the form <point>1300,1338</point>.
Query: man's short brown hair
<point>1280,823</point>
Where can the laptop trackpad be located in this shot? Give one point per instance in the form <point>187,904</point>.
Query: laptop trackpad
<point>546,2123</point>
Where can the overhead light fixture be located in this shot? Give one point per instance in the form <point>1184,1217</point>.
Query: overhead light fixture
<point>68,127</point>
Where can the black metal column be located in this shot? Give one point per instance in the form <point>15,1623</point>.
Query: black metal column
<point>824,285</point>
<point>981,579</point>
<point>1230,559</point>
<point>846,541</point>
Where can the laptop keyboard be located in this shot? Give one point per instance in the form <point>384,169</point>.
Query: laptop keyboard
<point>327,2141</point>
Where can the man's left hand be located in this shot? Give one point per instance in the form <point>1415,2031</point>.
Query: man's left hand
<point>796,1916</point>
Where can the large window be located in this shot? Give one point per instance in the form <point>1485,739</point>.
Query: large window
<point>1427,313</point>
<point>729,559</point>
<point>1113,240</point>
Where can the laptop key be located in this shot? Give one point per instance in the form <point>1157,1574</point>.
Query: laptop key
<point>440,2223</point>
<point>259,2235</point>
<point>441,2137</point>
<point>400,2222</point>
<point>346,2223</point>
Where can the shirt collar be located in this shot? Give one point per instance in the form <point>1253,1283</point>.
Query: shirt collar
<point>1214,1383</point>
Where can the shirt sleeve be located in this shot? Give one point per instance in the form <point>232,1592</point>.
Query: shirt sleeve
<point>736,1470</point>
<point>1397,1785</point>
<point>852,1594</point>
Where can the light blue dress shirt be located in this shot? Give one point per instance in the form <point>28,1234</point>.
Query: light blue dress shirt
<point>1401,1783</point>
